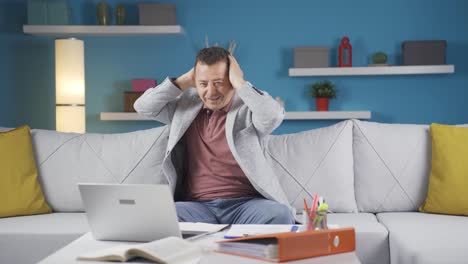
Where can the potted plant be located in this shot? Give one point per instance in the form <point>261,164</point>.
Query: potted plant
<point>322,91</point>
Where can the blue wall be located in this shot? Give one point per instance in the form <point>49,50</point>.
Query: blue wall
<point>266,33</point>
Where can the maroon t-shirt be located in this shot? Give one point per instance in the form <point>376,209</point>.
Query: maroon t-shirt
<point>212,170</point>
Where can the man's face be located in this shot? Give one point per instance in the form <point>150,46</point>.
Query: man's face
<point>213,86</point>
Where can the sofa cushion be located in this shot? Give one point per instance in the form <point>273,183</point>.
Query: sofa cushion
<point>391,166</point>
<point>426,238</point>
<point>28,239</point>
<point>449,171</point>
<point>20,191</point>
<point>65,159</point>
<point>315,161</point>
<point>371,236</point>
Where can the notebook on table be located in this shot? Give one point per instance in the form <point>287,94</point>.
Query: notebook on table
<point>197,228</point>
<point>249,230</point>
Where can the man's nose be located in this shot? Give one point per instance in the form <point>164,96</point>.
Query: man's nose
<point>211,89</point>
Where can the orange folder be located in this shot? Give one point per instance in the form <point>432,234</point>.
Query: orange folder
<point>297,245</point>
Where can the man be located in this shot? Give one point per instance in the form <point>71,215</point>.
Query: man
<point>214,159</point>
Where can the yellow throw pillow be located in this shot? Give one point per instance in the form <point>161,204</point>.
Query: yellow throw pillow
<point>20,192</point>
<point>448,182</point>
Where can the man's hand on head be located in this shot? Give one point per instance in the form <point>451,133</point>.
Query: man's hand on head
<point>236,76</point>
<point>186,80</point>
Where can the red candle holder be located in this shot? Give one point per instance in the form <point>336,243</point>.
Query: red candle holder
<point>345,61</point>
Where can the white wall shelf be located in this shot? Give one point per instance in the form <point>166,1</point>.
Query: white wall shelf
<point>373,70</point>
<point>129,116</point>
<point>122,116</point>
<point>328,115</point>
<point>75,30</point>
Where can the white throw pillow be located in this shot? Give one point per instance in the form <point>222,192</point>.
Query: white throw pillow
<point>318,161</point>
<point>391,166</point>
<point>65,159</point>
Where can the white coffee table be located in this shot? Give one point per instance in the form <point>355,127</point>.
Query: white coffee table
<point>87,243</point>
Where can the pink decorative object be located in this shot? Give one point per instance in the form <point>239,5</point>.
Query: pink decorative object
<point>141,85</point>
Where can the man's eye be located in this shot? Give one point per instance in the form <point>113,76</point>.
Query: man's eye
<point>218,83</point>
<point>203,84</point>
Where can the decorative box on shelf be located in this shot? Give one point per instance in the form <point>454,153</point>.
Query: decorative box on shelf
<point>157,14</point>
<point>311,57</point>
<point>428,52</point>
<point>48,12</point>
<point>129,100</point>
<point>141,85</point>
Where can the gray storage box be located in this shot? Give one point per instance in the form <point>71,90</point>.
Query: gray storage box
<point>37,12</point>
<point>48,12</point>
<point>427,52</point>
<point>311,57</point>
<point>57,12</point>
<point>157,14</point>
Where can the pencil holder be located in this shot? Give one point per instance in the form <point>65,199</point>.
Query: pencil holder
<point>316,220</point>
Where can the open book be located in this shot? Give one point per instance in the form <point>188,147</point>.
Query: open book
<point>167,251</point>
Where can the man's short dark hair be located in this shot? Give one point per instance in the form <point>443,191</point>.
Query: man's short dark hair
<point>212,55</point>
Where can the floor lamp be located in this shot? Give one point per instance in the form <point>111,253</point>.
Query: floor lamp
<point>70,86</point>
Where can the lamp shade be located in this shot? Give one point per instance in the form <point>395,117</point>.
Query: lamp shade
<point>70,85</point>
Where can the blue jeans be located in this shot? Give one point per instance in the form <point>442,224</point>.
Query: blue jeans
<point>246,210</point>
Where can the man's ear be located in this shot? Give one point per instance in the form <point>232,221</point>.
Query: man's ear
<point>228,65</point>
<point>227,70</point>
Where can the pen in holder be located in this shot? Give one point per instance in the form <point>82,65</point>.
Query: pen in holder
<point>316,217</point>
<point>316,220</point>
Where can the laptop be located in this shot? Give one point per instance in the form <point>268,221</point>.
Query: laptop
<point>130,212</point>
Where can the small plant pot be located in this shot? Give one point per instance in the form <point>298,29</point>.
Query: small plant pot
<point>321,103</point>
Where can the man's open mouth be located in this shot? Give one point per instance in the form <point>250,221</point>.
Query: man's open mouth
<point>214,98</point>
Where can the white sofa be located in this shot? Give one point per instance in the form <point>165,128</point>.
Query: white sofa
<point>373,175</point>
<point>64,159</point>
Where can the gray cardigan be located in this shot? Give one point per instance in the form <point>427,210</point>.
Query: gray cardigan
<point>253,115</point>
